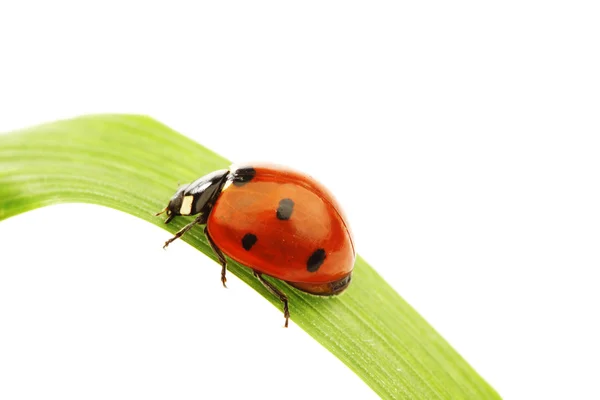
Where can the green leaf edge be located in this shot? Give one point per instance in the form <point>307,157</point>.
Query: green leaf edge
<point>370,328</point>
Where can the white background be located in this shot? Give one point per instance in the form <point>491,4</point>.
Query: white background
<point>462,138</point>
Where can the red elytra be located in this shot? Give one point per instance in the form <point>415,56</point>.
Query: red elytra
<point>275,220</point>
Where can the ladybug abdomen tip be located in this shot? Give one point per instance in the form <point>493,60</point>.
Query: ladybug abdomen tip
<point>324,289</point>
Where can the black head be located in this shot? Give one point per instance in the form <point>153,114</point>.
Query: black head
<point>196,198</point>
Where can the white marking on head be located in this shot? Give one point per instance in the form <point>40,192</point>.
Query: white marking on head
<point>186,205</point>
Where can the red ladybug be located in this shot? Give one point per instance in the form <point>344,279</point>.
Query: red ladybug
<point>274,220</point>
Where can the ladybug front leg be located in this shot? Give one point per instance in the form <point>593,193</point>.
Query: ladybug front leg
<point>219,254</point>
<point>199,220</point>
<point>278,293</point>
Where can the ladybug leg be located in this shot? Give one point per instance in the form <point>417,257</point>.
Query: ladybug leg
<point>199,220</point>
<point>278,293</point>
<point>219,254</point>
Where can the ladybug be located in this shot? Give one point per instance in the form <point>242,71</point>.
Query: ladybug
<point>275,220</point>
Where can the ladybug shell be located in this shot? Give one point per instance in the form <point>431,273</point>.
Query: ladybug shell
<point>282,223</point>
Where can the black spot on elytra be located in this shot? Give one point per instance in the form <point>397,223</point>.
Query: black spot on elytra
<point>284,211</point>
<point>248,241</point>
<point>243,176</point>
<point>315,260</point>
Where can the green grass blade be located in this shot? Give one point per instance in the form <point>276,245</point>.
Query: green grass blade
<point>126,162</point>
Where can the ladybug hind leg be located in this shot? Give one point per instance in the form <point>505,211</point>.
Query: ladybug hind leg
<point>220,256</point>
<point>276,292</point>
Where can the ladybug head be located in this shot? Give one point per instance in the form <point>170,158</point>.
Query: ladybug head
<point>196,198</point>
<point>173,209</point>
